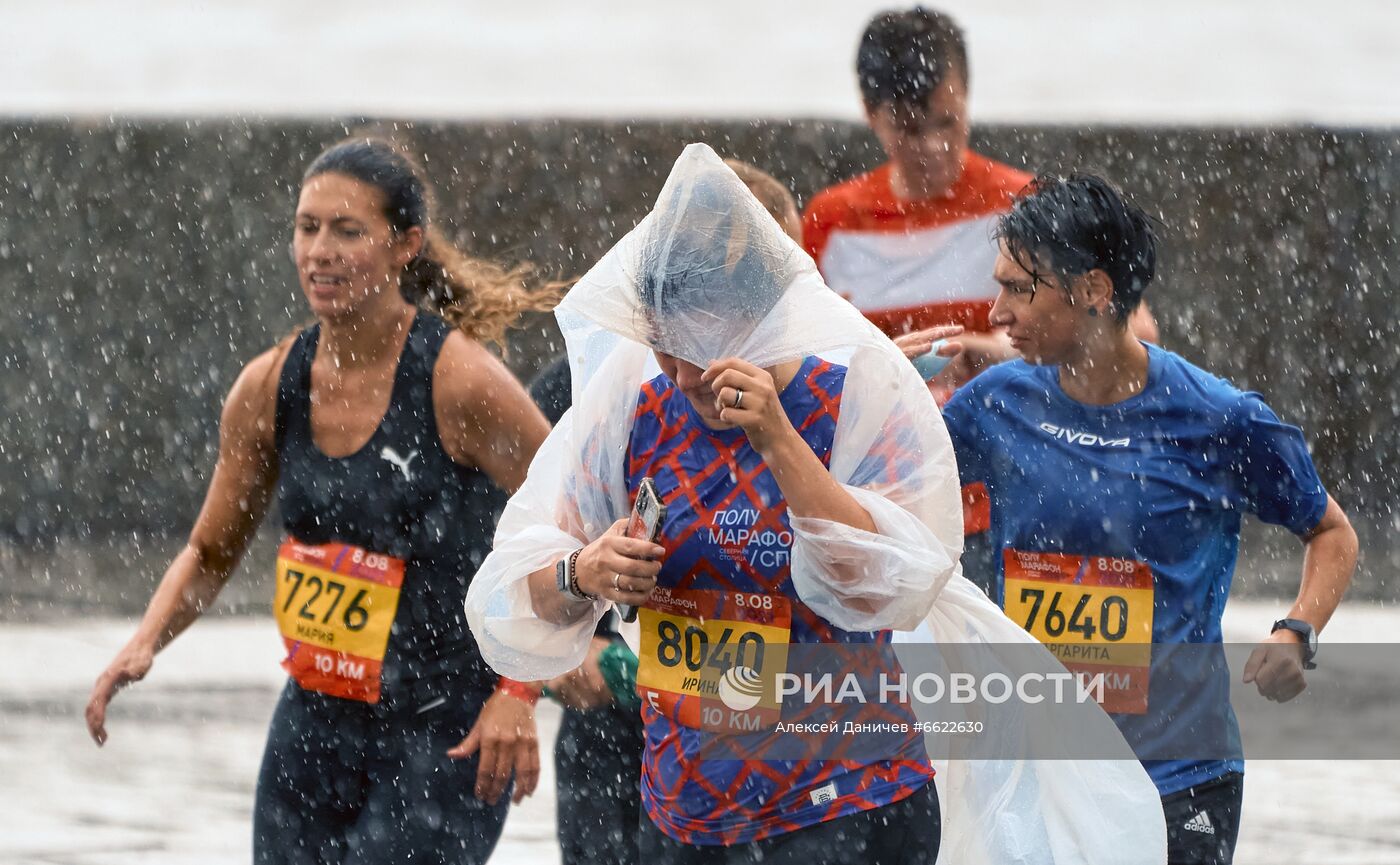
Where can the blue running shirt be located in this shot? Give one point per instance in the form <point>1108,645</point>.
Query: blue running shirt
<point>1122,522</point>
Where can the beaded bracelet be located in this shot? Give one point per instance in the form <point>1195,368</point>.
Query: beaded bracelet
<point>574,588</point>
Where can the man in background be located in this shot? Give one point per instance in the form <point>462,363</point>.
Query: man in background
<point>910,242</point>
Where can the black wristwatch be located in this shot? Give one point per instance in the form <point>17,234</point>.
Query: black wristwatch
<point>1304,630</point>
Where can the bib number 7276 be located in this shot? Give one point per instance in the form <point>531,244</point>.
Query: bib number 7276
<point>335,605</point>
<point>353,617</point>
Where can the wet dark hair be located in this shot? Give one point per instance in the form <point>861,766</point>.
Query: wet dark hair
<point>904,56</point>
<point>1079,223</point>
<point>478,297</point>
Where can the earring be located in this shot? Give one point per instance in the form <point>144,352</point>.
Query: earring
<point>1093,311</point>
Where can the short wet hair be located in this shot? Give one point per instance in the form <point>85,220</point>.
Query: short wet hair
<point>1078,223</point>
<point>904,56</point>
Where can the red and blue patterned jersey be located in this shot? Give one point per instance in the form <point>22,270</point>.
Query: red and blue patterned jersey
<point>727,529</point>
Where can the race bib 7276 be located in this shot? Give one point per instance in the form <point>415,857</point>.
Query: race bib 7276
<point>334,605</point>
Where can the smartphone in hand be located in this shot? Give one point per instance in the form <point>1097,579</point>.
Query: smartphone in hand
<point>645,524</point>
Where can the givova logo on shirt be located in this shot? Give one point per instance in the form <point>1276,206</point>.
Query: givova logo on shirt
<point>1088,440</point>
<point>735,531</point>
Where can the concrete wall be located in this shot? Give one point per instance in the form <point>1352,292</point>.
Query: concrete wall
<point>142,263</point>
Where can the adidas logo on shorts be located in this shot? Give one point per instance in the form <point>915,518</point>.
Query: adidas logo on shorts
<point>1200,823</point>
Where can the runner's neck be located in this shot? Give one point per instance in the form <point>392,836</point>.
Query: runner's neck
<point>784,373</point>
<point>1107,370</point>
<point>366,340</point>
<point>913,185</point>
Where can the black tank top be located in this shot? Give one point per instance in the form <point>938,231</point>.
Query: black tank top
<point>400,494</point>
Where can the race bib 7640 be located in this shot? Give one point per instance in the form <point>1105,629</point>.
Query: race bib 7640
<point>1093,612</point>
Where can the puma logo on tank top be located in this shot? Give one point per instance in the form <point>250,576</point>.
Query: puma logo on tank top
<point>401,463</point>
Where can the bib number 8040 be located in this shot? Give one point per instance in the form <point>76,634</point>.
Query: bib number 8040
<point>692,647</point>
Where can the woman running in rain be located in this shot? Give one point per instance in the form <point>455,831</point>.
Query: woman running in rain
<point>597,756</point>
<point>807,502</point>
<point>1119,474</point>
<point>379,429</point>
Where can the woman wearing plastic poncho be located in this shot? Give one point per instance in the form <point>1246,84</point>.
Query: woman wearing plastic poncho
<point>807,502</point>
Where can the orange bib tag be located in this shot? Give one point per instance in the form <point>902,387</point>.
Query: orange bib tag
<point>1093,612</point>
<point>710,659</point>
<point>335,604</point>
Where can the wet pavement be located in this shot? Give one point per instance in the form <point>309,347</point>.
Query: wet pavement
<point>175,782</point>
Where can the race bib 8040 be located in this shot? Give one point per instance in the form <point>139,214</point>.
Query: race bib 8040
<point>709,659</point>
<point>1093,612</point>
<point>334,605</point>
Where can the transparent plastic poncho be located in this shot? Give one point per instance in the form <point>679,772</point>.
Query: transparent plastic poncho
<point>709,274</point>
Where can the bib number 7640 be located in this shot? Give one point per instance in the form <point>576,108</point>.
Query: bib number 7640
<point>1108,618</point>
<point>1093,612</point>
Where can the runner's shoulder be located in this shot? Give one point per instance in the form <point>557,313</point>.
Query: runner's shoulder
<point>259,376</point>
<point>1002,378</point>
<point>841,201</point>
<point>1181,380</point>
<point>997,389</point>
<point>467,375</point>
<point>251,404</point>
<point>993,180</point>
<point>658,389</point>
<point>829,374</point>
<point>1189,390</point>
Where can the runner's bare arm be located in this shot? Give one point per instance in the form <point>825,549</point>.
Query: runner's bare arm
<point>238,495</point>
<point>487,419</point>
<point>485,416</point>
<point>613,568</point>
<point>1329,560</point>
<point>919,342</point>
<point>975,351</point>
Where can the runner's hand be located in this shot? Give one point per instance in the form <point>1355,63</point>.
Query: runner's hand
<point>584,688</point>
<point>131,665</point>
<point>618,568</point>
<point>759,413</point>
<point>920,341</point>
<point>972,353</point>
<point>1276,667</point>
<point>506,736</point>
